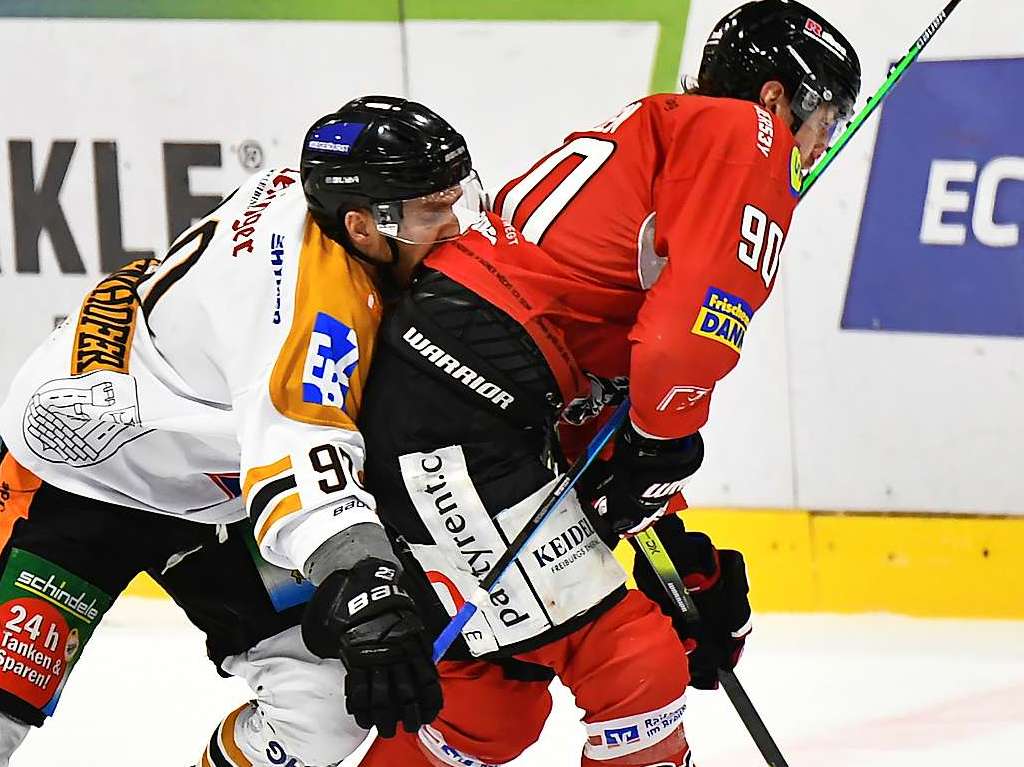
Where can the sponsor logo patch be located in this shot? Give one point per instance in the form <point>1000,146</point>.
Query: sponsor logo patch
<point>46,614</point>
<point>277,262</point>
<point>336,137</point>
<point>664,720</point>
<point>244,227</point>
<point>468,531</point>
<point>629,735</point>
<point>682,397</point>
<point>330,361</point>
<point>571,544</point>
<point>434,742</point>
<point>620,736</point>
<point>106,322</point>
<point>814,30</point>
<point>723,318</point>
<point>796,173</point>
<point>765,131</point>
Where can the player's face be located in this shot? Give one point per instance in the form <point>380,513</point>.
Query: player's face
<point>815,134</point>
<point>426,222</point>
<point>431,218</point>
<point>816,131</point>
<point>373,246</point>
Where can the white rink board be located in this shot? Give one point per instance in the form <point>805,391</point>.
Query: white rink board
<point>496,85</point>
<point>883,421</point>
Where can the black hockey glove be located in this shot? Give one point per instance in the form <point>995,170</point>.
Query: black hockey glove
<point>362,617</point>
<point>645,474</point>
<point>717,581</point>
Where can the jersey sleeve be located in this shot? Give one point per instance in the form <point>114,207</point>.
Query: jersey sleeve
<point>302,454</point>
<point>293,326</point>
<point>723,204</point>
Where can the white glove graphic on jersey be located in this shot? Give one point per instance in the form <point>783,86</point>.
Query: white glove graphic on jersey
<point>82,421</point>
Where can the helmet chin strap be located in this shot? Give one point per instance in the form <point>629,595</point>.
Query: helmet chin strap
<point>393,247</point>
<point>386,281</point>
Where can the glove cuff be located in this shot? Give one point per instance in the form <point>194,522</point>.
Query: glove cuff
<point>688,449</point>
<point>707,569</point>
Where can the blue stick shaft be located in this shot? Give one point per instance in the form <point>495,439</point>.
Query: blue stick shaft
<point>453,629</point>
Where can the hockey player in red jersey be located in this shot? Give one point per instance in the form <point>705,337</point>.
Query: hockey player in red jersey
<point>660,236</point>
<point>668,220</point>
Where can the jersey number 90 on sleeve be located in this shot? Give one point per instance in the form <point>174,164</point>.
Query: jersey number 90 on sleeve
<point>760,243</point>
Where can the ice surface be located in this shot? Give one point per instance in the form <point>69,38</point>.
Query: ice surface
<point>836,691</point>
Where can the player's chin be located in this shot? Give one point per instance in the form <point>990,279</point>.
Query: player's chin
<point>812,159</point>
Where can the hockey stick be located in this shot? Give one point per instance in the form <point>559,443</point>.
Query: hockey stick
<point>895,75</point>
<point>554,499</point>
<point>649,544</point>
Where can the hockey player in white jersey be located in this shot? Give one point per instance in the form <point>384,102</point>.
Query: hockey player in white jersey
<point>198,407</point>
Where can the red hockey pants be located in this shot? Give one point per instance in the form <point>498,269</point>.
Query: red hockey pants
<point>627,671</point>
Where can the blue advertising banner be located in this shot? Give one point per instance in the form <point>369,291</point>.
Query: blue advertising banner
<point>941,247</point>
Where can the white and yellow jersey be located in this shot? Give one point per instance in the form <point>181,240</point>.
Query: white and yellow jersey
<point>220,382</point>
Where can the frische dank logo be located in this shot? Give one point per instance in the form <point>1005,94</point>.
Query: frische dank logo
<point>723,318</point>
<point>940,248</point>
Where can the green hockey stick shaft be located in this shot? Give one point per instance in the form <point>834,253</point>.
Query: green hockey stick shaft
<point>895,75</point>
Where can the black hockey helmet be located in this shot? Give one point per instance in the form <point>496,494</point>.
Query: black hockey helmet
<point>379,153</point>
<point>781,40</point>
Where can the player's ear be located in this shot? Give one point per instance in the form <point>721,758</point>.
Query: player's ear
<point>774,99</point>
<point>361,228</point>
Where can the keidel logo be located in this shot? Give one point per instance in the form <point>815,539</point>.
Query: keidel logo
<point>940,248</point>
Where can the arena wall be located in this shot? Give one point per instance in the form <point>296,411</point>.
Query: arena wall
<point>865,453</point>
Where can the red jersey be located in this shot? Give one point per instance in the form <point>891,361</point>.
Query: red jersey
<point>660,235</point>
